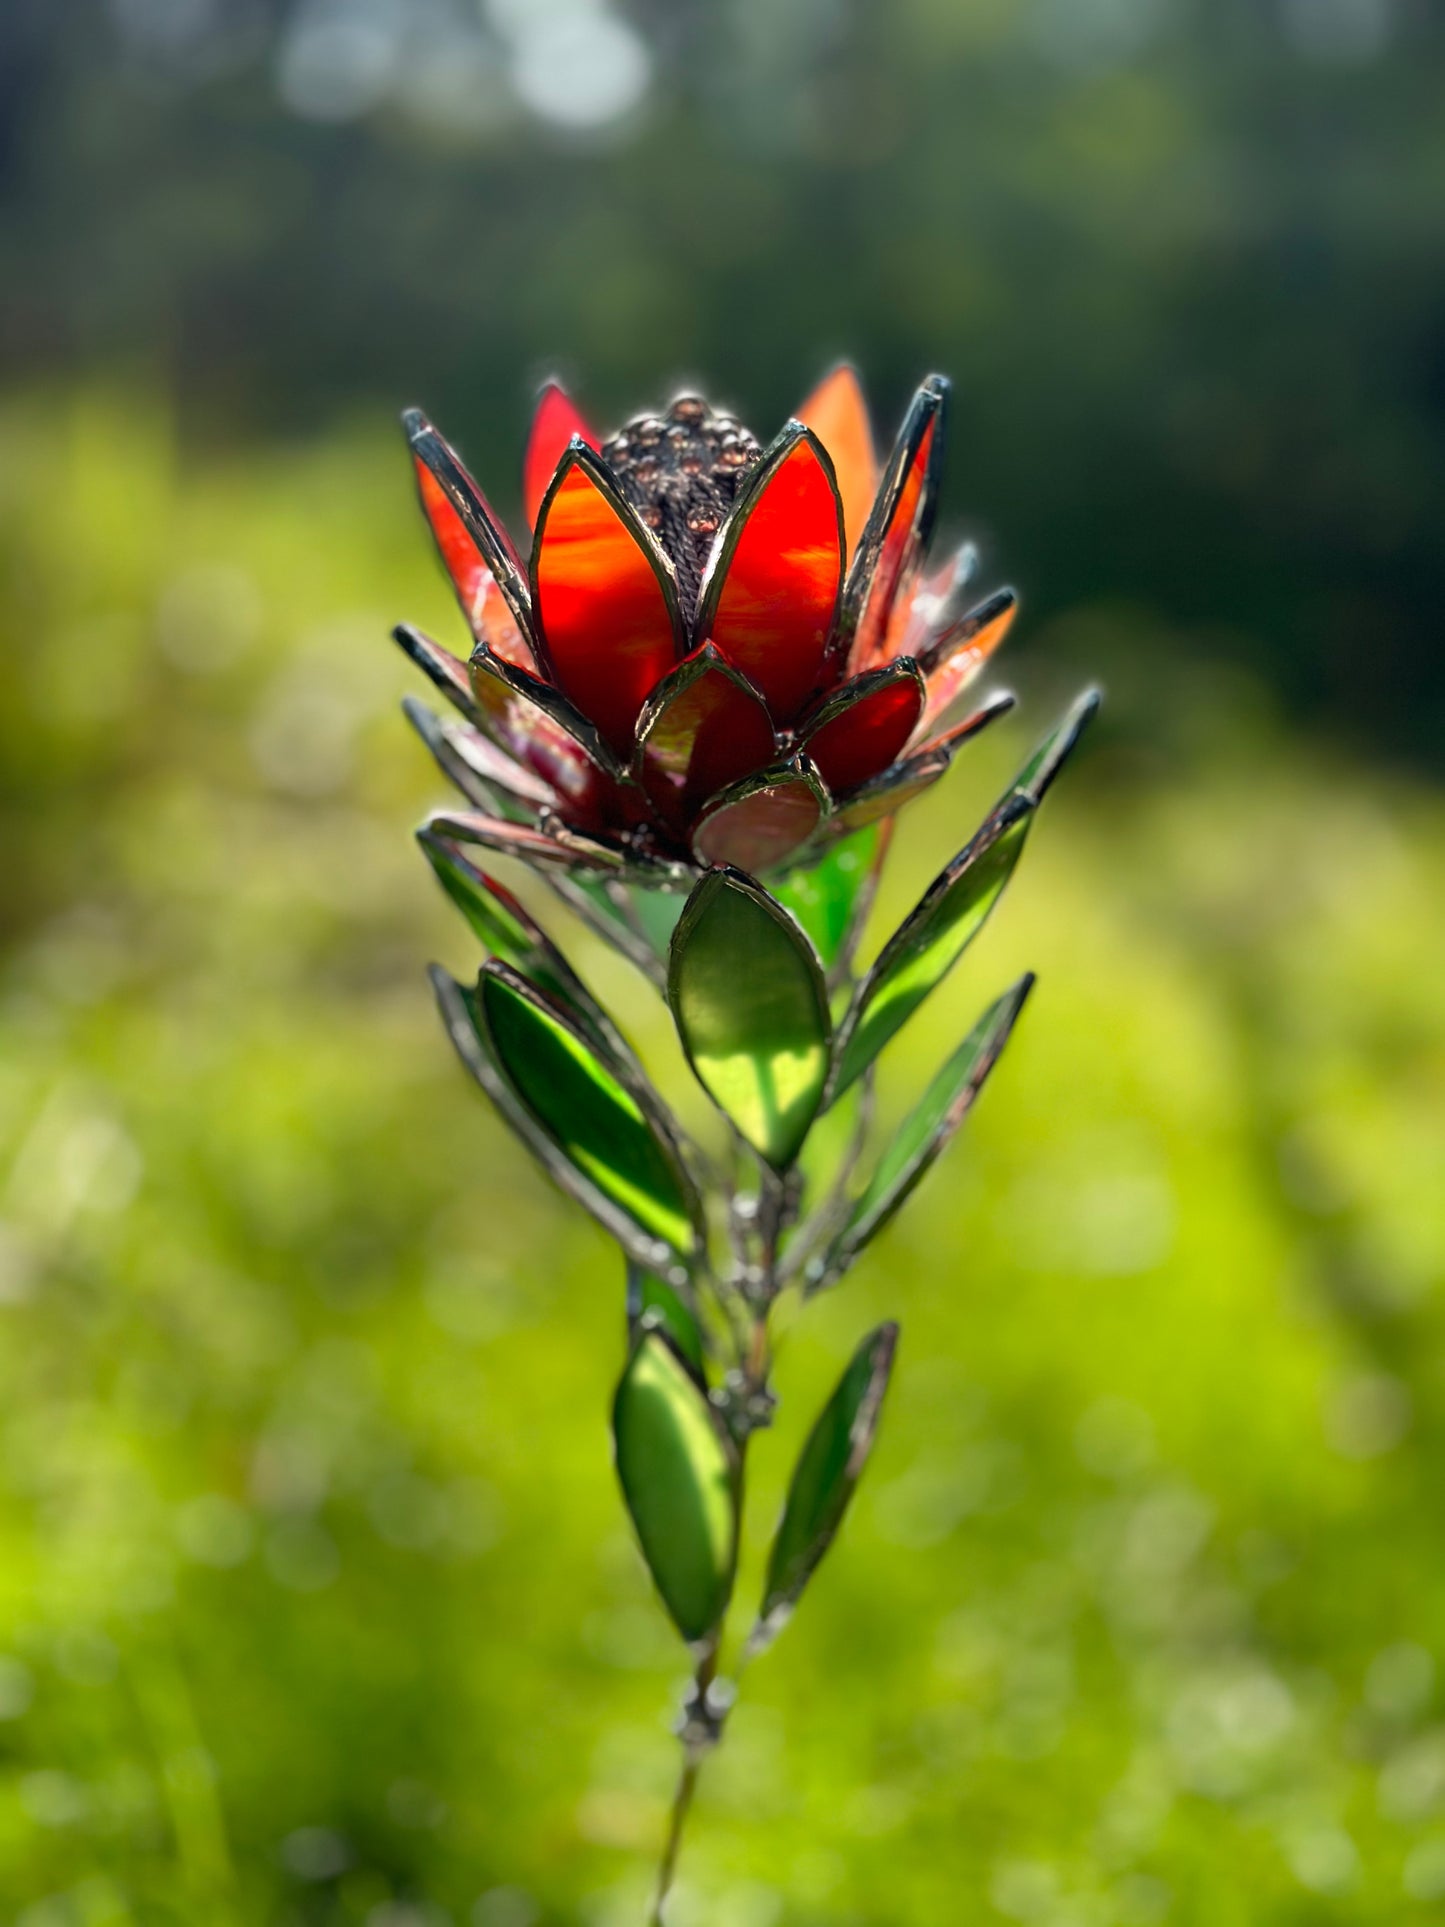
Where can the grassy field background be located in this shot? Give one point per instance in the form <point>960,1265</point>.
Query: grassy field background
<point>316,1599</point>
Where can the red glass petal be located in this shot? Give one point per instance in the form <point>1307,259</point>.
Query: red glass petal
<point>770,599</point>
<point>475,548</point>
<point>704,727</point>
<point>556,420</point>
<point>896,537</point>
<point>837,413</point>
<point>868,723</point>
<point>605,600</point>
<point>760,822</point>
<point>955,658</point>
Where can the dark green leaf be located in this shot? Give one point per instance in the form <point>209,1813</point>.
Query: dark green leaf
<point>931,1124</point>
<point>926,946</point>
<point>1048,759</point>
<point>602,1136</point>
<point>828,1470</point>
<point>511,933</point>
<point>752,1011</point>
<point>653,1302</point>
<point>679,1477</point>
<point>829,897</point>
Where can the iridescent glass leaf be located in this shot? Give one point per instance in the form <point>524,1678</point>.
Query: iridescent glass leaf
<point>827,1474</point>
<point>678,1472</point>
<point>759,822</point>
<point>933,1122</point>
<point>751,1009</point>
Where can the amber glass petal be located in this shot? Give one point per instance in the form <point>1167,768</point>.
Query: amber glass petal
<point>770,596</point>
<point>837,413</point>
<point>679,1475</point>
<point>953,657</point>
<point>488,777</point>
<point>751,1008</point>
<point>895,538</point>
<point>866,725</point>
<point>556,420</point>
<point>606,601</point>
<point>826,1476</point>
<point>928,1128</point>
<point>762,820</point>
<point>466,530</point>
<point>932,938</point>
<point>703,727</point>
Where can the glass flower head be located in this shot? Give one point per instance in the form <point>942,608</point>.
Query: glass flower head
<point>717,653</point>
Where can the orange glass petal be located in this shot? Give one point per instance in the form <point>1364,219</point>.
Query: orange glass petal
<point>957,667</point>
<point>556,420</point>
<point>604,617</point>
<point>837,413</point>
<point>868,728</point>
<point>772,607</point>
<point>896,557</point>
<point>706,732</point>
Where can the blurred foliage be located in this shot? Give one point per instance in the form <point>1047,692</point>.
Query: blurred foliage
<point>317,1602</point>
<point>1183,259</point>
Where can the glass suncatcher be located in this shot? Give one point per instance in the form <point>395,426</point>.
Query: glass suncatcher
<point>694,713</point>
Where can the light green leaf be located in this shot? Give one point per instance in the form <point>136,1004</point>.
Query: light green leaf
<point>678,1472</point>
<point>751,1009</point>
<point>827,1473</point>
<point>934,1120</point>
<point>829,897</point>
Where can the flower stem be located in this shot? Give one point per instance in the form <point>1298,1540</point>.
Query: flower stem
<point>700,1734</point>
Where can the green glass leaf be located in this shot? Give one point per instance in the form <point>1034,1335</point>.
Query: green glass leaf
<point>606,1142</point>
<point>658,912</point>
<point>933,1121</point>
<point>828,897</point>
<point>678,1471</point>
<point>508,930</point>
<point>751,1009</point>
<point>930,941</point>
<point>827,1473</point>
<point>1034,779</point>
<point>653,1303</point>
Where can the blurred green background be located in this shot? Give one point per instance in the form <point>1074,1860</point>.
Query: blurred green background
<point>316,1599</point>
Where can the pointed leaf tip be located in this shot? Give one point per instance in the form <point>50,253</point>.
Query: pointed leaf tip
<point>678,1473</point>
<point>751,1009</point>
<point>825,1479</point>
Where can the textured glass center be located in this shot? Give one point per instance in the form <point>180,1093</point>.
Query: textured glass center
<point>681,473</point>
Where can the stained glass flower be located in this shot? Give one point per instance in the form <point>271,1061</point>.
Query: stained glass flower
<point>715,652</point>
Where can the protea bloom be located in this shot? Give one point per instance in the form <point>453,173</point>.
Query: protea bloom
<point>717,653</point>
